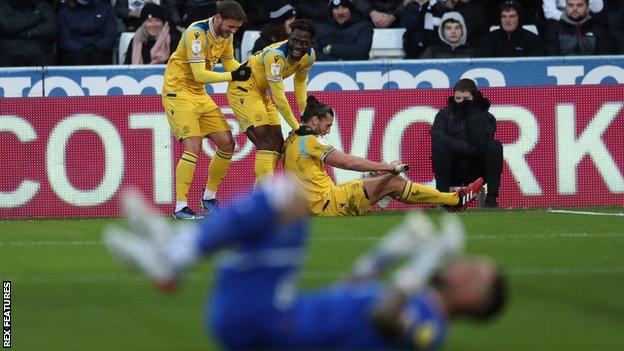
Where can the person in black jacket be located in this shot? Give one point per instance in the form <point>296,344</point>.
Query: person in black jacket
<point>511,40</point>
<point>345,36</point>
<point>87,32</point>
<point>462,142</point>
<point>452,39</point>
<point>27,33</point>
<point>577,33</point>
<point>278,28</point>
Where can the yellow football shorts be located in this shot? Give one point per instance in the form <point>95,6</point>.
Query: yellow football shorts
<point>348,199</point>
<point>251,107</point>
<point>193,115</point>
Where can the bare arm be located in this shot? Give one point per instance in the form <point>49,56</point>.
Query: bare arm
<point>339,159</point>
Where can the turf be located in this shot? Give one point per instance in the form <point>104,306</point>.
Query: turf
<point>566,277</point>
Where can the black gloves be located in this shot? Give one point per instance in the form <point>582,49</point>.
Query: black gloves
<point>241,73</point>
<point>304,130</point>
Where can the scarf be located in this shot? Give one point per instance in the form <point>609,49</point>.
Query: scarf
<point>161,50</point>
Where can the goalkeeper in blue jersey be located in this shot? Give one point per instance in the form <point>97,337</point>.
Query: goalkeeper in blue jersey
<point>255,303</point>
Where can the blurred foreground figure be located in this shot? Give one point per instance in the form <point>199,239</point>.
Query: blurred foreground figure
<point>255,302</point>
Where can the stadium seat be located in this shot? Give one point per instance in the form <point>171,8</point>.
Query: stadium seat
<point>124,41</point>
<point>249,39</point>
<point>387,43</point>
<point>530,27</point>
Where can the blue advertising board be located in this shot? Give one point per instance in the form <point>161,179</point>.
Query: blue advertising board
<point>328,76</point>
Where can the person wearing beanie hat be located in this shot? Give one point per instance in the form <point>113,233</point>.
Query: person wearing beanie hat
<point>345,35</point>
<point>154,41</point>
<point>129,11</point>
<point>278,27</point>
<point>510,40</point>
<point>463,147</point>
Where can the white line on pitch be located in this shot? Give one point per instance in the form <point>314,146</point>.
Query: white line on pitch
<point>587,213</point>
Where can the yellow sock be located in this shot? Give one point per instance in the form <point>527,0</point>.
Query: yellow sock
<point>276,157</point>
<point>219,166</point>
<point>264,165</point>
<point>184,174</point>
<point>415,193</point>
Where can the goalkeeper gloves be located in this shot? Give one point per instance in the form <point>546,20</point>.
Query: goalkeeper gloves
<point>242,73</point>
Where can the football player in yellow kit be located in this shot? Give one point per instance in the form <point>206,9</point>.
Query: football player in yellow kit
<point>191,113</point>
<point>252,105</point>
<point>305,156</point>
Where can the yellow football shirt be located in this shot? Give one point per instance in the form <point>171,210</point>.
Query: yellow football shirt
<point>269,68</point>
<point>304,158</point>
<point>199,43</point>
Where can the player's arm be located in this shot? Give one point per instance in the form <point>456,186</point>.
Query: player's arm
<point>227,57</point>
<point>342,160</point>
<point>301,82</point>
<point>195,43</point>
<point>274,64</point>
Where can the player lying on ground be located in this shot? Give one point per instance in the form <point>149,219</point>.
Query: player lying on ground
<point>255,303</point>
<point>305,156</point>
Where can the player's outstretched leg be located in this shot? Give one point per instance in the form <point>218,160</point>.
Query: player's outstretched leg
<point>162,251</point>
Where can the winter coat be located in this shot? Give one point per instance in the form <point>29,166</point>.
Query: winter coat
<point>445,49</point>
<point>27,30</point>
<point>464,130</point>
<point>393,7</point>
<point>568,37</point>
<point>349,41</point>
<point>94,24</point>
<point>519,43</point>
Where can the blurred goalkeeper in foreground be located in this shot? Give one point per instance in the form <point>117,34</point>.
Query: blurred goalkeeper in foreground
<point>255,303</point>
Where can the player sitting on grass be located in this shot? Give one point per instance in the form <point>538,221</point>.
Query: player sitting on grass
<point>255,303</point>
<point>305,156</point>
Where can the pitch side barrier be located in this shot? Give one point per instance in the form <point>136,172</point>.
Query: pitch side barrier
<point>324,76</point>
<point>72,156</point>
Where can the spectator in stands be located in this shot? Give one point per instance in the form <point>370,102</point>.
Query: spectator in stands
<point>345,36</point>
<point>511,40</point>
<point>196,10</point>
<point>27,33</point>
<point>130,12</point>
<point>154,41</point>
<point>312,9</point>
<point>463,147</point>
<point>415,38</point>
<point>532,12</point>
<point>278,29</point>
<point>87,32</point>
<point>554,9</point>
<point>383,13</point>
<point>615,23</point>
<point>576,33</point>
<point>471,10</point>
<point>452,39</point>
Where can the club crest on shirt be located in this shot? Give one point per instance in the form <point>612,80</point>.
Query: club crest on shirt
<point>275,70</point>
<point>196,47</point>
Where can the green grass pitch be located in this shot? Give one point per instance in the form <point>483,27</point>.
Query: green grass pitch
<point>566,278</point>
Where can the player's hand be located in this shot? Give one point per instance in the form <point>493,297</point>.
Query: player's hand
<point>242,73</point>
<point>304,130</point>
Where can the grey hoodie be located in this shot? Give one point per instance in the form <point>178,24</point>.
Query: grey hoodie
<point>459,18</point>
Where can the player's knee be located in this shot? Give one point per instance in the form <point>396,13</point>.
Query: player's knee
<point>193,145</point>
<point>226,144</point>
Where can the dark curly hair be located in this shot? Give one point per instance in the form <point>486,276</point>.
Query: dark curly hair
<point>315,108</point>
<point>305,25</point>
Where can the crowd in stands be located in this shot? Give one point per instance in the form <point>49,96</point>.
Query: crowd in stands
<point>86,32</point>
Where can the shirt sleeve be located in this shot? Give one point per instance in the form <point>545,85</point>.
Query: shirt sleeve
<point>195,42</point>
<point>317,147</point>
<point>301,82</point>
